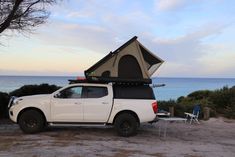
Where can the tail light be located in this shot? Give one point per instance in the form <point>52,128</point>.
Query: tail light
<point>155,107</point>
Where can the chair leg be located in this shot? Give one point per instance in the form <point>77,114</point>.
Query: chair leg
<point>191,119</point>
<point>197,121</point>
<point>186,117</point>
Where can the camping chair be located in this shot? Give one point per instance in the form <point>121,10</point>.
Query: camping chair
<point>194,116</point>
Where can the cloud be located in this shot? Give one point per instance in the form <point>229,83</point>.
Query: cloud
<point>219,61</point>
<point>185,48</point>
<point>191,55</point>
<point>169,5</point>
<point>78,14</point>
<point>91,37</point>
<point>109,33</point>
<point>36,72</point>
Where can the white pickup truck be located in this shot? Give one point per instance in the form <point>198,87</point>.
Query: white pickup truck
<point>86,104</point>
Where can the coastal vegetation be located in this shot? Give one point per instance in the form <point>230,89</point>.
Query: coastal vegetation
<point>221,101</point>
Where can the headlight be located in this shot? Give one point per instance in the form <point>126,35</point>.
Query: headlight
<point>11,102</point>
<point>16,101</point>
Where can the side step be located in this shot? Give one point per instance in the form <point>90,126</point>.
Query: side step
<point>65,124</point>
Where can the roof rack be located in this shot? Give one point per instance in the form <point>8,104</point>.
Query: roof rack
<point>114,80</point>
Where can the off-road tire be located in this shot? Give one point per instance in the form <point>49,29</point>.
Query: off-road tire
<point>31,121</point>
<point>126,125</point>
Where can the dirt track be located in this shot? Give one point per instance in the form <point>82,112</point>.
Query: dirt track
<point>215,137</point>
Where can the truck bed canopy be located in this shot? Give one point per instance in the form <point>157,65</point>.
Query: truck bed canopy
<point>132,62</point>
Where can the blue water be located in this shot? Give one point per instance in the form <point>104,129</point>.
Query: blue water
<point>10,83</point>
<point>175,87</point>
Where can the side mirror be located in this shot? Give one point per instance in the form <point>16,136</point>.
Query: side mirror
<point>58,95</point>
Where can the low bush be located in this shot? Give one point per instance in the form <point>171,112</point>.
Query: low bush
<point>34,89</point>
<point>201,94</point>
<point>221,102</point>
<point>179,108</point>
<point>4,99</point>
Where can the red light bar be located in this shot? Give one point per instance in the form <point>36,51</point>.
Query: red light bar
<point>81,78</point>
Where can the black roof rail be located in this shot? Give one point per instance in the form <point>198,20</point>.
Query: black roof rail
<point>114,80</point>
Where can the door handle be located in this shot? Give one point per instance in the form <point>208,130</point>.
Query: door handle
<point>104,102</point>
<point>77,103</point>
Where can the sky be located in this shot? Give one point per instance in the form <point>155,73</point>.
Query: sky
<point>195,38</point>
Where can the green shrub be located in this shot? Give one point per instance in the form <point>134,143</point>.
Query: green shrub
<point>221,102</point>
<point>4,99</point>
<point>179,108</point>
<point>34,89</point>
<point>230,111</point>
<point>201,94</point>
<point>164,105</point>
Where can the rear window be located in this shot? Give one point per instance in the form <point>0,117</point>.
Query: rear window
<point>133,92</point>
<point>95,92</point>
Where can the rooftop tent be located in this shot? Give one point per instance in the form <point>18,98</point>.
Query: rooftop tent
<point>132,62</point>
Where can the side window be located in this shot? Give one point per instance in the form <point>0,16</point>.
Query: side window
<point>95,92</point>
<point>70,93</point>
<point>135,92</point>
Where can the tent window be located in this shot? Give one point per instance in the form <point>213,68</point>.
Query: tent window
<point>106,74</point>
<point>149,58</point>
<point>128,67</point>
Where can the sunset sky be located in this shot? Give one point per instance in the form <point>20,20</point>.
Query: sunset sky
<point>196,38</point>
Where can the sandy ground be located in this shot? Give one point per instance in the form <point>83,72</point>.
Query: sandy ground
<point>213,138</point>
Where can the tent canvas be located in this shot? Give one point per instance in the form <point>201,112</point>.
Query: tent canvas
<point>132,62</point>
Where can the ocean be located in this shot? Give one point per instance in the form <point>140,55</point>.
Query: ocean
<point>175,87</point>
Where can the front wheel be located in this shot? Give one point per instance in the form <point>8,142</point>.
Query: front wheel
<point>31,121</point>
<point>126,125</point>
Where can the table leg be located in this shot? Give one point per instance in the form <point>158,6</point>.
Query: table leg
<point>159,130</point>
<point>166,124</point>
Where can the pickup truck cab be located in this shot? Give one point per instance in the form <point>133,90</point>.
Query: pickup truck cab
<point>86,104</point>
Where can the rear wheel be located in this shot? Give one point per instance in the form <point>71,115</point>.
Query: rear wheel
<point>126,125</point>
<point>31,121</point>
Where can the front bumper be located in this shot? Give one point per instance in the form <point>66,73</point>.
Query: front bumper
<point>11,109</point>
<point>12,114</point>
